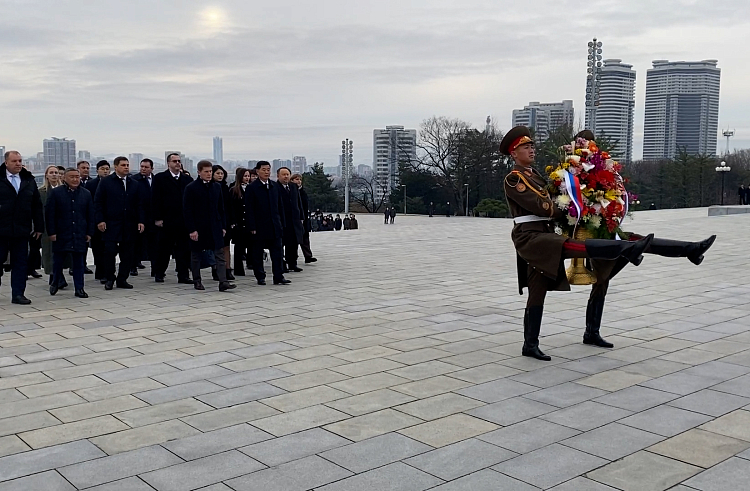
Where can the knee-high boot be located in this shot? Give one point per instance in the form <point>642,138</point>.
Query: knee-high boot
<point>676,248</point>
<point>594,312</point>
<point>532,324</point>
<point>612,249</point>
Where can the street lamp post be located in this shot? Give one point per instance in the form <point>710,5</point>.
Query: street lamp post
<point>467,199</point>
<point>723,168</point>
<point>404,198</point>
<point>346,165</point>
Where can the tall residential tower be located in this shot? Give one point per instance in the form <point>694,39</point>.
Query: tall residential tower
<point>682,108</point>
<point>392,146</point>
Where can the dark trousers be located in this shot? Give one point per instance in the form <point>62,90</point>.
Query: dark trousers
<point>306,251</point>
<point>221,265</point>
<point>275,248</point>
<point>79,265</point>
<point>111,250</point>
<point>173,240</point>
<point>97,249</point>
<point>19,255</point>
<point>291,247</point>
<point>35,254</point>
<point>146,246</point>
<point>242,250</point>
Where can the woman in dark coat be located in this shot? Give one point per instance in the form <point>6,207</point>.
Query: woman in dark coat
<point>220,176</point>
<point>69,213</point>
<point>239,232</point>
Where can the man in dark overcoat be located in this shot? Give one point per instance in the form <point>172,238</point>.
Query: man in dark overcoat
<point>166,203</point>
<point>119,215</point>
<point>69,214</point>
<point>206,224</point>
<point>146,245</point>
<point>264,212</point>
<point>293,226</point>
<point>97,245</point>
<point>307,225</point>
<point>20,210</point>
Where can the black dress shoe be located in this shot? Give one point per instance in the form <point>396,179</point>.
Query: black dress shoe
<point>81,294</point>
<point>159,279</point>
<point>262,282</point>
<point>103,281</point>
<point>109,285</point>
<point>535,352</point>
<point>593,338</point>
<point>140,266</point>
<point>225,285</point>
<point>282,281</point>
<point>34,274</point>
<point>63,284</point>
<point>295,269</point>
<point>87,270</point>
<point>185,281</point>
<point>53,289</point>
<point>125,285</point>
<point>310,260</point>
<point>133,272</point>
<point>198,285</point>
<point>20,300</point>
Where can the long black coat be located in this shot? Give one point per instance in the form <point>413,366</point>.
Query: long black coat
<point>264,211</point>
<point>121,210</point>
<point>305,202</point>
<point>70,216</point>
<point>292,210</point>
<point>237,210</point>
<point>147,198</point>
<point>92,185</point>
<point>166,198</point>
<point>203,211</point>
<point>20,211</point>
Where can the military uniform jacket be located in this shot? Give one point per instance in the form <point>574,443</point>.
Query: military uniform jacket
<point>537,245</point>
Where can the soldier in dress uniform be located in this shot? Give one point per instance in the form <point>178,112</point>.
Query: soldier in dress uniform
<point>540,251</point>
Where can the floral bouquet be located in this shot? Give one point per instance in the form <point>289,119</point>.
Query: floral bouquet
<point>588,188</point>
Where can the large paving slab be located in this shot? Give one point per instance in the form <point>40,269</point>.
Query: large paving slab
<point>393,363</point>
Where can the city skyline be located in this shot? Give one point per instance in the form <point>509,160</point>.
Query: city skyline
<point>283,79</point>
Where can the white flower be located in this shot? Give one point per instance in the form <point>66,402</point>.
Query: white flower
<point>610,164</point>
<point>575,159</point>
<point>605,202</point>
<point>588,167</point>
<point>572,220</point>
<point>595,221</point>
<point>563,201</point>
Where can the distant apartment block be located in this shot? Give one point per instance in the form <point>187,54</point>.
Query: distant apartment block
<point>59,151</point>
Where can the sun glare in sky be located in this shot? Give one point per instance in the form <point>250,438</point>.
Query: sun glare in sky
<point>213,19</point>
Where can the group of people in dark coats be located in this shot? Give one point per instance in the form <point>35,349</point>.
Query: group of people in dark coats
<point>743,195</point>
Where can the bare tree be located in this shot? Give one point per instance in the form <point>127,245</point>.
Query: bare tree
<point>368,192</point>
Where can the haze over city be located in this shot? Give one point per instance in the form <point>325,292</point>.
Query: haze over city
<point>297,77</point>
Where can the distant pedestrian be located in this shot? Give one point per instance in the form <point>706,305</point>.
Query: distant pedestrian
<point>353,224</point>
<point>448,209</point>
<point>742,194</point>
<point>338,223</point>
<point>393,214</point>
<point>346,222</point>
<point>432,208</point>
<point>387,214</point>
<point>21,218</point>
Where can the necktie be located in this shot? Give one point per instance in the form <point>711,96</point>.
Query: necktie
<point>14,181</point>
<point>124,184</point>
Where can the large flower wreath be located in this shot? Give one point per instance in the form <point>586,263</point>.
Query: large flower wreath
<point>588,187</point>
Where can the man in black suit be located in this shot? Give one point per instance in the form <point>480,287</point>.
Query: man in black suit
<point>293,229</point>
<point>206,223</point>
<point>166,204</point>
<point>305,207</point>
<point>69,212</point>
<point>145,248</point>
<point>20,209</point>
<point>119,215</point>
<point>264,211</point>
<point>97,245</point>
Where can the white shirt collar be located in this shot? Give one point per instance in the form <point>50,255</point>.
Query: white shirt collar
<point>9,174</point>
<point>174,175</point>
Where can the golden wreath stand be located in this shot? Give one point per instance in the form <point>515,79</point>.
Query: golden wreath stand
<point>577,272</point>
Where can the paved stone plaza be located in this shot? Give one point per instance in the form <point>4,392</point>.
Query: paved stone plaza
<point>391,364</point>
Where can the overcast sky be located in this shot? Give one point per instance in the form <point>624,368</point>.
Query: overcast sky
<point>278,78</point>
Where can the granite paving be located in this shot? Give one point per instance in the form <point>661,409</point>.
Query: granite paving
<point>392,363</point>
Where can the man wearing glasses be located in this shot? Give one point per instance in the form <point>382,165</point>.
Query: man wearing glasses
<point>166,194</point>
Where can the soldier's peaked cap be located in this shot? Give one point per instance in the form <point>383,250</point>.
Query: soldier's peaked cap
<point>514,138</point>
<point>586,135</point>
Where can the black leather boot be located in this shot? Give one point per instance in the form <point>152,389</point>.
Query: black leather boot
<point>594,312</point>
<point>532,324</point>
<point>612,249</point>
<point>677,248</point>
